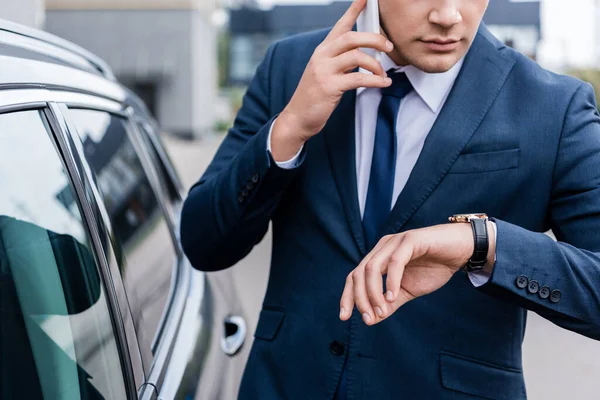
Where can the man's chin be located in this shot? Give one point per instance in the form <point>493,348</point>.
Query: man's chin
<point>436,64</point>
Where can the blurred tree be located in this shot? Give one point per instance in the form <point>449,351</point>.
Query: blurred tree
<point>223,42</point>
<point>588,75</point>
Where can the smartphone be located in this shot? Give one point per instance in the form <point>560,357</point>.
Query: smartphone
<point>368,21</point>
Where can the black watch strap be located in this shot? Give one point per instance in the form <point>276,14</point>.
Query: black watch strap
<point>481,241</point>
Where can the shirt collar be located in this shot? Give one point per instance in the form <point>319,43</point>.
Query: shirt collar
<point>432,88</point>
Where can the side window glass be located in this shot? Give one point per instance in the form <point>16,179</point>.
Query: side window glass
<point>141,232</point>
<point>57,339</point>
<point>164,164</point>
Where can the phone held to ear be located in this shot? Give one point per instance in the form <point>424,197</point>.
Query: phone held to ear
<point>368,21</point>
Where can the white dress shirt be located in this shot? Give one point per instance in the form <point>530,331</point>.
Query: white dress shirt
<point>416,116</point>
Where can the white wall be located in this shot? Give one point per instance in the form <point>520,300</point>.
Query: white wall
<point>569,34</point>
<point>26,12</point>
<point>204,75</point>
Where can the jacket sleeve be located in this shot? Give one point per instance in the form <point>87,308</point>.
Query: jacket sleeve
<point>227,211</point>
<point>570,266</point>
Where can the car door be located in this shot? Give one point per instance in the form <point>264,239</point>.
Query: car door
<point>186,339</point>
<point>210,363</point>
<point>141,234</point>
<point>62,332</point>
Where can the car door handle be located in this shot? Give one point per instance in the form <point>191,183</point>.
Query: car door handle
<point>234,335</point>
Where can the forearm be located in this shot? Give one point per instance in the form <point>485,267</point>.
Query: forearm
<point>284,141</point>
<point>569,267</point>
<point>228,211</point>
<point>571,273</point>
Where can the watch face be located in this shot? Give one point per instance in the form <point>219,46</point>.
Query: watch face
<point>467,217</point>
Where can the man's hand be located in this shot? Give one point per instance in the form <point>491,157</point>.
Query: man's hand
<point>326,77</point>
<point>416,262</point>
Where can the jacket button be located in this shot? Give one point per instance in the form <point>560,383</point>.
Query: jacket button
<point>244,193</point>
<point>555,296</point>
<point>241,199</point>
<point>250,186</point>
<point>255,177</point>
<point>533,287</point>
<point>336,348</point>
<point>522,282</point>
<point>544,292</point>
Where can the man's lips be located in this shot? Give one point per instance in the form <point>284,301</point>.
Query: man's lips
<point>441,44</point>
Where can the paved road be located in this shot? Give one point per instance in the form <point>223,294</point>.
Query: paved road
<point>558,364</point>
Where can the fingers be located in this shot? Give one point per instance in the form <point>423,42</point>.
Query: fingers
<point>347,301</point>
<point>356,58</point>
<point>375,268</point>
<point>354,40</point>
<point>346,23</point>
<point>374,288</point>
<point>395,270</point>
<point>356,80</point>
<point>361,298</point>
<point>364,286</point>
<point>372,253</point>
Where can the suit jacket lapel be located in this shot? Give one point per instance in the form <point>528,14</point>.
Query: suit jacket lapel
<point>482,76</point>
<point>340,138</point>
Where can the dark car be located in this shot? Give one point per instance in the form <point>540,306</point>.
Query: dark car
<point>97,300</point>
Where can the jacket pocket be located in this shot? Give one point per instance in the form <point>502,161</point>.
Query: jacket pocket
<point>486,162</point>
<point>482,379</point>
<point>269,323</point>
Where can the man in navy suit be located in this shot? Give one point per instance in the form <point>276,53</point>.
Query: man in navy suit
<point>364,177</point>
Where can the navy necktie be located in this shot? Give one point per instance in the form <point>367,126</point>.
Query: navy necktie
<point>383,167</point>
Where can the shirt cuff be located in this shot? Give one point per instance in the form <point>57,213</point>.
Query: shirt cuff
<point>289,164</point>
<point>481,277</point>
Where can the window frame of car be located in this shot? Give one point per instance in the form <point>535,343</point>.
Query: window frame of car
<point>197,312</point>
<point>164,348</point>
<point>12,101</point>
<point>171,319</point>
<point>149,130</point>
<point>157,187</point>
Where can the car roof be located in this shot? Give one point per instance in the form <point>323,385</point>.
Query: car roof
<point>32,58</point>
<point>55,46</point>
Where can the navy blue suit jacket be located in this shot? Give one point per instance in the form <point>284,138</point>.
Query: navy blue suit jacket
<point>513,140</point>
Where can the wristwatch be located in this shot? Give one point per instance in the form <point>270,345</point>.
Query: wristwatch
<point>478,222</point>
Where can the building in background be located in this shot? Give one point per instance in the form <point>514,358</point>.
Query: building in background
<point>253,29</point>
<point>518,24</point>
<point>163,50</point>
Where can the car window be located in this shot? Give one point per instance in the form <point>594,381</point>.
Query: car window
<point>165,169</point>
<point>142,236</point>
<point>57,339</point>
